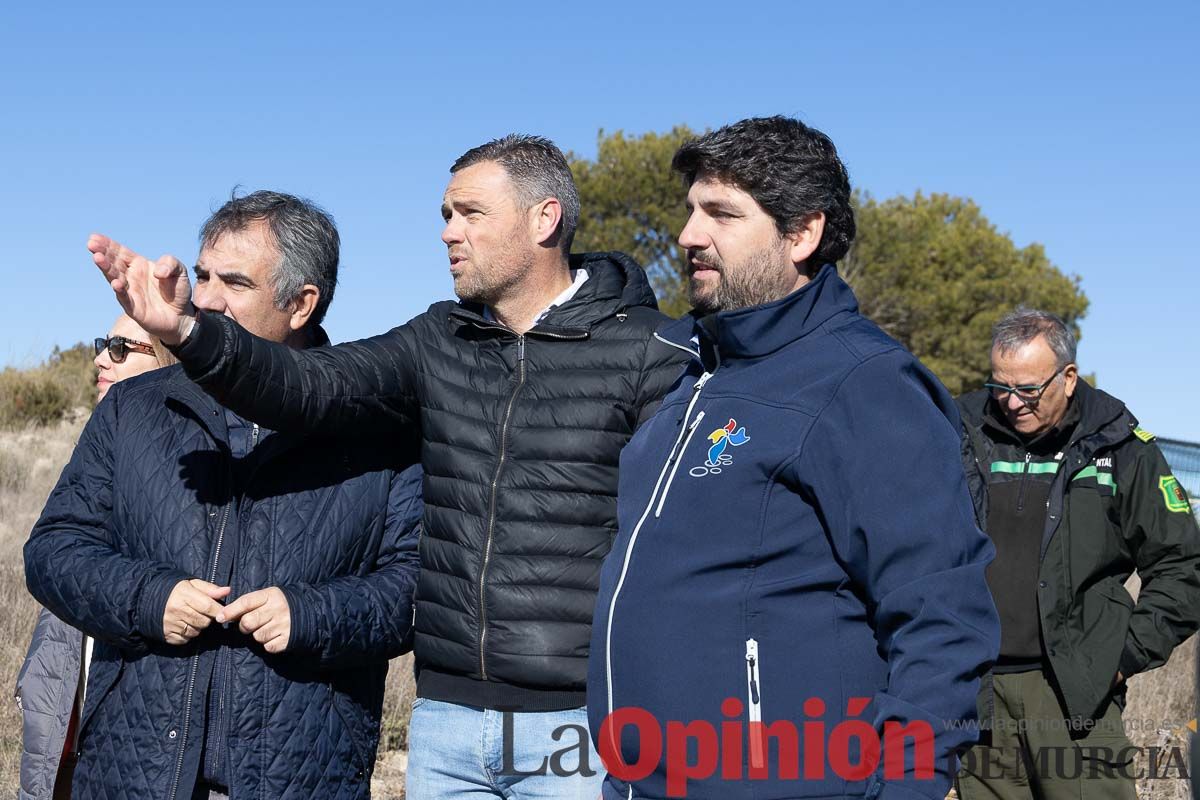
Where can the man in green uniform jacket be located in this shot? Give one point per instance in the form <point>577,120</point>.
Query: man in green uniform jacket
<point>1075,497</point>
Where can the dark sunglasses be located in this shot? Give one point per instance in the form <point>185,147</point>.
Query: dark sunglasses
<point>1030,396</point>
<point>118,347</point>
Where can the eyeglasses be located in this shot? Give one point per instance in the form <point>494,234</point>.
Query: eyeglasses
<point>118,347</point>
<point>1029,396</point>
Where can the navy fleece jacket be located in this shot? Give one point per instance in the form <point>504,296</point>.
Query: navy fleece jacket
<point>797,545</point>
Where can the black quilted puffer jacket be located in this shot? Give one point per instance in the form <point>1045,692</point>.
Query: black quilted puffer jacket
<point>520,438</point>
<point>153,496</point>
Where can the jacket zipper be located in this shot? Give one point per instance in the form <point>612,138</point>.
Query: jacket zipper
<point>754,704</point>
<point>612,603</point>
<point>222,653</point>
<point>678,459</point>
<point>191,684</point>
<point>487,550</point>
<point>1024,479</point>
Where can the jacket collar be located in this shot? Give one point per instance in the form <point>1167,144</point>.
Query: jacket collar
<point>1097,416</point>
<point>615,283</point>
<point>180,388</point>
<point>761,330</point>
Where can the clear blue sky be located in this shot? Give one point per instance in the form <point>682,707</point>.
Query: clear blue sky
<point>1076,127</point>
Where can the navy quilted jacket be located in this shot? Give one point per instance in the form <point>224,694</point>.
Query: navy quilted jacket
<point>147,500</point>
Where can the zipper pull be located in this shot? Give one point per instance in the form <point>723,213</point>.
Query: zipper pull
<point>520,348</point>
<point>676,453</point>
<point>703,380</point>
<point>752,663</point>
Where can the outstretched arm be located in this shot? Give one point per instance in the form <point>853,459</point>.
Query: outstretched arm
<point>365,387</point>
<point>157,295</point>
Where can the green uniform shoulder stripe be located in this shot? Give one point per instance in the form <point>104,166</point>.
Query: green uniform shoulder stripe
<point>1143,434</point>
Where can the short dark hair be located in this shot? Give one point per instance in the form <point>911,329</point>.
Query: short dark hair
<point>538,169</point>
<point>790,169</point>
<point>304,234</point>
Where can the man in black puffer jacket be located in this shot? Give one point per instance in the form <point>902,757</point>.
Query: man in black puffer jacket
<point>171,503</point>
<point>521,397</point>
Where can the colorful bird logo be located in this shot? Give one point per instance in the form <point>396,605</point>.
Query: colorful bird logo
<point>721,438</point>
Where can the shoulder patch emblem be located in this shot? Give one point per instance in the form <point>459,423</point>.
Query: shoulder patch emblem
<point>1173,494</point>
<point>1143,434</point>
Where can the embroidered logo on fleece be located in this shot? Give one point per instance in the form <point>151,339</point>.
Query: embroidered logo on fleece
<point>722,439</point>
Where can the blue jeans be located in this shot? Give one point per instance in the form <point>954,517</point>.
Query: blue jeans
<point>467,753</point>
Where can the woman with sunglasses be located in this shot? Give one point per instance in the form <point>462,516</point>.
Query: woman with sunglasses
<point>50,683</point>
<point>127,351</point>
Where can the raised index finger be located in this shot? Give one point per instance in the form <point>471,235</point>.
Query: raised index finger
<point>199,602</point>
<point>243,605</point>
<point>98,243</point>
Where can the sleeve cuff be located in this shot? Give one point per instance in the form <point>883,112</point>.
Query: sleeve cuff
<point>1131,663</point>
<point>202,349</point>
<point>302,638</point>
<point>152,603</point>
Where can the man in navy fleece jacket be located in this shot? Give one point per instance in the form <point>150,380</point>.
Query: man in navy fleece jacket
<point>795,605</point>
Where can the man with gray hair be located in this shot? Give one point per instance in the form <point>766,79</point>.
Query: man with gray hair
<point>1075,496</point>
<point>520,396</point>
<point>245,587</point>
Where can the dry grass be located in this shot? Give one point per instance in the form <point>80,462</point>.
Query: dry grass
<point>388,782</point>
<point>31,459</point>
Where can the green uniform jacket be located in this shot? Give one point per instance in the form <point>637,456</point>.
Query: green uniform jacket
<point>1114,507</point>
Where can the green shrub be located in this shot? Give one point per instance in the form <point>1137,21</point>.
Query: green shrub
<point>74,370</point>
<point>44,394</point>
<point>31,397</point>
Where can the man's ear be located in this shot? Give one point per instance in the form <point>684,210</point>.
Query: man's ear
<point>806,238</point>
<point>544,219</point>
<point>304,305</point>
<point>1070,379</point>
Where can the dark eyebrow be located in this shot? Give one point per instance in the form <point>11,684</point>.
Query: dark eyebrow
<point>237,277</point>
<point>228,276</point>
<point>718,205</point>
<point>464,205</point>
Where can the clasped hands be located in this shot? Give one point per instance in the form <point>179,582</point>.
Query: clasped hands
<point>192,607</point>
